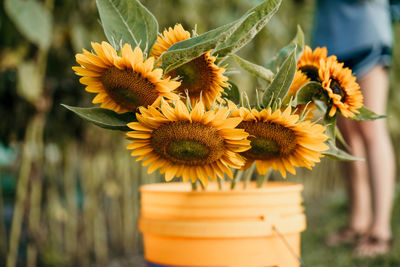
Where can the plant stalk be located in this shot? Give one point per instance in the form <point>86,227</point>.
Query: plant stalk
<point>202,186</point>
<point>263,178</point>
<point>236,178</point>
<point>3,233</point>
<point>194,186</point>
<point>71,227</point>
<point>249,173</point>
<point>221,184</point>
<point>36,181</point>
<point>21,194</point>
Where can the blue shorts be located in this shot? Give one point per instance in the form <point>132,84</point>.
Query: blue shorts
<point>364,60</point>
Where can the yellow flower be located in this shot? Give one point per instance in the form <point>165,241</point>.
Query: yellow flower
<point>200,77</point>
<point>123,83</point>
<point>299,81</point>
<point>309,62</point>
<point>341,86</point>
<point>280,141</point>
<point>168,38</point>
<point>195,144</point>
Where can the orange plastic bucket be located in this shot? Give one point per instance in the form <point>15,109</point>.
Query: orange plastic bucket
<point>241,228</point>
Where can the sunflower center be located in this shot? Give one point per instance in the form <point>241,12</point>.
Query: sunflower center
<point>337,89</point>
<point>268,140</point>
<point>187,149</point>
<point>188,143</point>
<point>196,75</point>
<point>311,72</point>
<point>128,88</point>
<point>261,146</point>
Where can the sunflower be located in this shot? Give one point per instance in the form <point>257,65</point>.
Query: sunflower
<point>195,144</point>
<point>123,83</point>
<point>341,86</point>
<point>280,141</point>
<point>200,76</point>
<point>299,81</point>
<point>168,38</point>
<point>309,62</point>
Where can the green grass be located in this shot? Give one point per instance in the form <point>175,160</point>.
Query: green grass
<point>324,216</point>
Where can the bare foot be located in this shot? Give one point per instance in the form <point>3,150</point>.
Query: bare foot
<point>370,246</point>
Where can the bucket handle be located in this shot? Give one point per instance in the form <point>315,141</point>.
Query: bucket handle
<point>288,246</point>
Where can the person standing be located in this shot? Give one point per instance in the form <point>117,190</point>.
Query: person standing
<point>359,33</point>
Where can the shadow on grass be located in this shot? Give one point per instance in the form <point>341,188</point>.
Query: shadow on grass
<point>325,215</point>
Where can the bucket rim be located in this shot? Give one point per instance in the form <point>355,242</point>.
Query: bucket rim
<point>212,189</point>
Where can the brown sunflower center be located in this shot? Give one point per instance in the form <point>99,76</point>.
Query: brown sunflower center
<point>188,143</point>
<point>196,75</point>
<point>268,140</point>
<point>128,88</point>
<point>311,72</point>
<point>187,150</point>
<point>337,89</point>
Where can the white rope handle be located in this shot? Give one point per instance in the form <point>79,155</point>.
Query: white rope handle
<point>289,247</point>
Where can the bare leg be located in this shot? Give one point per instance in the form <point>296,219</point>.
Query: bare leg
<point>380,156</point>
<point>357,178</point>
<point>376,175</point>
<point>379,150</point>
<point>358,187</point>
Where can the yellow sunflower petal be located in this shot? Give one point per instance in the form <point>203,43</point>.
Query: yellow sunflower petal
<point>279,140</point>
<point>123,83</point>
<point>167,139</point>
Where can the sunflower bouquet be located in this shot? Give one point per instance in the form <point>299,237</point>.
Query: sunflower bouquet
<point>171,93</point>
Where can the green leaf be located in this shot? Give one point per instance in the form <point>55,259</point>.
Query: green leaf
<point>184,51</point>
<point>32,19</point>
<point>259,17</point>
<point>104,118</point>
<point>367,115</point>
<point>320,105</point>
<point>279,87</point>
<point>341,139</point>
<point>337,153</point>
<point>330,123</point>
<point>307,92</point>
<point>232,93</point>
<point>297,42</point>
<point>332,132</point>
<point>29,81</point>
<point>254,69</point>
<point>128,21</point>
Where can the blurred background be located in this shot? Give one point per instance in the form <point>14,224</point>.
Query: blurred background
<point>69,190</point>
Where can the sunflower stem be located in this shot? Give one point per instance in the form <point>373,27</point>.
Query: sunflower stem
<point>220,184</point>
<point>202,186</point>
<point>194,186</point>
<point>263,178</point>
<point>249,173</point>
<point>236,178</point>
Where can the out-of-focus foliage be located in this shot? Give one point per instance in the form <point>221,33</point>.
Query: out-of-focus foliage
<point>75,24</point>
<point>32,19</point>
<point>80,201</point>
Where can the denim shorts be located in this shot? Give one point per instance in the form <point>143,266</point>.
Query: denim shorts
<point>365,59</point>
